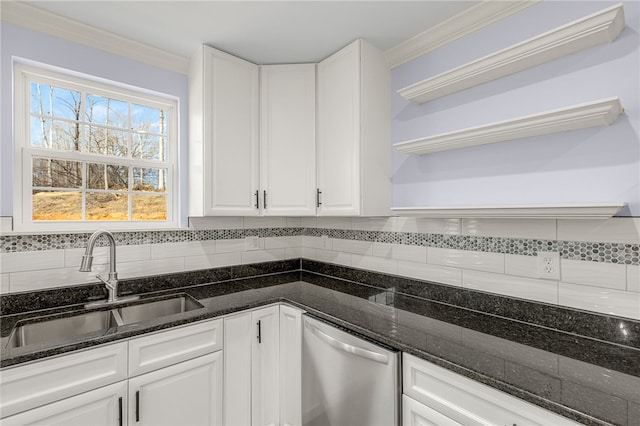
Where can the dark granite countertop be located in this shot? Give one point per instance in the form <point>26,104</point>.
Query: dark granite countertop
<point>591,377</point>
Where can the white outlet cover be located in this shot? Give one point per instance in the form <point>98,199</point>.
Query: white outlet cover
<point>251,243</point>
<point>325,241</point>
<point>549,265</point>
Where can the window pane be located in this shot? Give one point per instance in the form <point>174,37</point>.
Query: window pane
<point>101,140</point>
<point>55,134</point>
<point>150,180</point>
<point>56,173</point>
<point>107,176</point>
<point>51,100</point>
<point>107,206</point>
<point>102,110</point>
<point>148,119</point>
<point>56,205</point>
<point>151,147</point>
<point>149,207</point>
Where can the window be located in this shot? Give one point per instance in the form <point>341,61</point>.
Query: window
<point>91,154</point>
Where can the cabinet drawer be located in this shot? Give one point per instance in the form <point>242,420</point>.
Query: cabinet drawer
<point>469,402</point>
<point>416,414</point>
<point>159,350</point>
<point>42,382</point>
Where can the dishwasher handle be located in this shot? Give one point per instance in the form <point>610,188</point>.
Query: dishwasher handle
<point>345,347</point>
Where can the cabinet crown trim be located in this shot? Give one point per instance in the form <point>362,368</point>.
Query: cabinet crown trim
<point>601,27</point>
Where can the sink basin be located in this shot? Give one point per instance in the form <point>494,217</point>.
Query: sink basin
<point>58,329</point>
<point>50,330</point>
<point>160,308</point>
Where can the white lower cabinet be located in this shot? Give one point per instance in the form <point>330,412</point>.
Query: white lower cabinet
<point>174,378</point>
<point>105,406</point>
<point>255,344</point>
<point>188,393</point>
<point>436,396</point>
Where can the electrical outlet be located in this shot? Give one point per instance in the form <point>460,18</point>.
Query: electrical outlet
<point>549,265</point>
<point>251,243</point>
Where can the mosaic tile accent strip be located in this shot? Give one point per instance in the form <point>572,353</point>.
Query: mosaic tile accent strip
<point>624,254</point>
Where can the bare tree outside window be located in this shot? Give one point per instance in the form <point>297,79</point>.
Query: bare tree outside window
<point>107,156</point>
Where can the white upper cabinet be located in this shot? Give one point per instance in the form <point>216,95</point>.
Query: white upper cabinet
<point>223,135</point>
<point>354,132</point>
<point>288,139</point>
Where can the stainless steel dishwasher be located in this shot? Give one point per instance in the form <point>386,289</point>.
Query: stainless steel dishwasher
<point>346,380</point>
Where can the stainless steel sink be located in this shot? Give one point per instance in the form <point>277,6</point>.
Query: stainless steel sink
<point>160,308</point>
<point>51,330</point>
<point>57,329</point>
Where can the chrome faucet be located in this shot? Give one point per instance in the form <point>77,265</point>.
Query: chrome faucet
<point>112,282</point>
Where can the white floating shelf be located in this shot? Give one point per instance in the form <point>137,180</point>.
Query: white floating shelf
<point>601,27</point>
<point>532,211</point>
<point>602,112</point>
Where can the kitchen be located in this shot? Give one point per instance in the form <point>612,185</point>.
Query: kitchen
<point>486,252</point>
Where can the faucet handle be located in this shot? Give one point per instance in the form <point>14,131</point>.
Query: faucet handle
<point>107,283</point>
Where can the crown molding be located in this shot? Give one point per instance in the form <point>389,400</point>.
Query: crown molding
<point>39,20</point>
<point>597,113</point>
<point>524,211</point>
<point>595,29</point>
<point>473,19</point>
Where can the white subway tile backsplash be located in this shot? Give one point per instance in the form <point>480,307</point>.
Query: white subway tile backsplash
<point>607,301</point>
<point>524,288</point>
<point>599,274</point>
<point>541,229</point>
<point>187,248</point>
<point>4,283</point>
<point>422,271</point>
<point>386,224</point>
<point>633,278</point>
<point>339,258</point>
<point>614,230</point>
<point>364,248</point>
<point>428,226</point>
<point>151,267</point>
<point>50,278</point>
<point>309,222</point>
<point>251,222</point>
<point>400,252</point>
<point>522,266</point>
<point>292,252</point>
<point>293,222</point>
<point>314,242</point>
<point>31,260</point>
<point>213,261</point>
<point>256,256</point>
<point>216,222</point>
<point>281,242</point>
<point>229,246</point>
<point>334,222</point>
<point>466,259</point>
<point>378,264</point>
<point>134,253</point>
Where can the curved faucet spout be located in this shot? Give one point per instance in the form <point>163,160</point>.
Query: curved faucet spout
<point>85,266</point>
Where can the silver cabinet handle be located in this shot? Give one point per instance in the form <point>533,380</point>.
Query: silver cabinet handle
<point>345,347</point>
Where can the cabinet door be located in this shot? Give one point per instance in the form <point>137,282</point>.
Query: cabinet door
<point>339,132</point>
<point>103,406</point>
<point>188,393</point>
<point>416,414</point>
<point>290,366</point>
<point>239,330</point>
<point>288,139</point>
<point>265,401</point>
<point>230,123</point>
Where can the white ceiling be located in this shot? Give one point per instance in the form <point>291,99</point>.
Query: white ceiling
<point>263,32</point>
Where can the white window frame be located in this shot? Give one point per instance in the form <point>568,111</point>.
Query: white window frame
<point>24,74</point>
